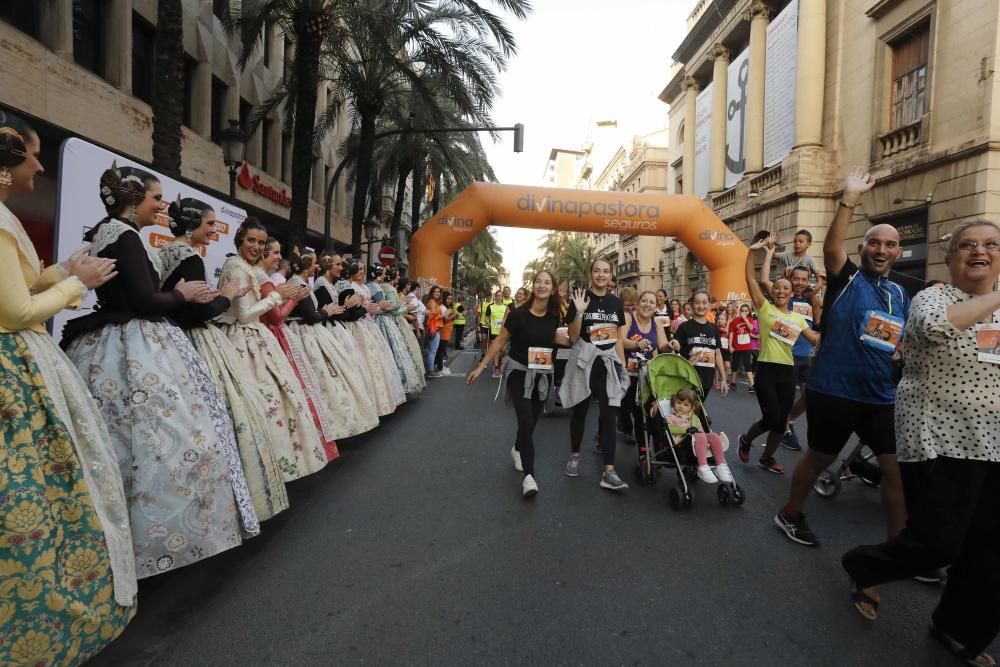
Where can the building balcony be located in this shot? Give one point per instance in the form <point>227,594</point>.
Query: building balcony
<point>626,269</point>
<point>724,199</point>
<point>903,139</point>
<point>768,179</point>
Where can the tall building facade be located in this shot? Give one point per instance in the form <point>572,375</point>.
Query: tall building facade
<point>85,68</point>
<point>771,103</point>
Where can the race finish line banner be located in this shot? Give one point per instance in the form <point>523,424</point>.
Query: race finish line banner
<point>79,208</point>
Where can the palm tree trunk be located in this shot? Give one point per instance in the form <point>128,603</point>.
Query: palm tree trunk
<point>168,93</point>
<point>397,207</point>
<point>419,190</point>
<point>366,147</point>
<point>307,76</point>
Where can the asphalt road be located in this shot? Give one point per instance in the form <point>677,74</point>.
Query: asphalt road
<point>416,548</point>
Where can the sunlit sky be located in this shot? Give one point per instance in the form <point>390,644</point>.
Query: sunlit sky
<point>580,61</point>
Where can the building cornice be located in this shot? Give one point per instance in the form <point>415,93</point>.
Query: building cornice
<point>881,7</point>
<point>703,30</point>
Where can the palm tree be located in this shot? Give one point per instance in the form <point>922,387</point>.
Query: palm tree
<point>579,256</point>
<point>168,93</point>
<point>531,268</point>
<point>482,260</point>
<point>308,24</point>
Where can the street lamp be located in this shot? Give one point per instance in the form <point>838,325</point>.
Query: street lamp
<point>234,148</point>
<point>371,226</point>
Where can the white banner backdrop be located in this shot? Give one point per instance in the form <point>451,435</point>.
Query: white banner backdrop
<point>736,117</point>
<point>79,208</point>
<point>702,143</point>
<point>779,84</point>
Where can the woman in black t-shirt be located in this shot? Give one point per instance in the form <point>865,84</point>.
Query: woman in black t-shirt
<point>531,331</point>
<point>595,316</point>
<point>700,343</point>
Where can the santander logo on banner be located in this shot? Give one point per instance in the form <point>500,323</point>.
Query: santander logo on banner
<point>253,183</point>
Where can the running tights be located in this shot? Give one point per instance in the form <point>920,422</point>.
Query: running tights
<point>527,410</point>
<point>775,390</point>
<point>607,419</point>
<point>630,414</point>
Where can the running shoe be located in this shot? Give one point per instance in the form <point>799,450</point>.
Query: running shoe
<point>744,449</point>
<point>930,577</point>
<point>529,488</point>
<point>752,390</point>
<point>435,374</point>
<point>795,528</point>
<point>611,480</point>
<point>516,455</point>
<point>769,464</point>
<point>572,467</point>
<point>496,374</point>
<point>791,441</point>
<point>445,371</point>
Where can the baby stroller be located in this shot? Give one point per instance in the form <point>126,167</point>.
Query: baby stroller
<point>858,464</point>
<point>659,379</point>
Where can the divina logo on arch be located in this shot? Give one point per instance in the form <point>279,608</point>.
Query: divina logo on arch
<point>648,213</point>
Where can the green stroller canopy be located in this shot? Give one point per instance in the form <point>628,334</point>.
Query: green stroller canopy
<point>666,374</point>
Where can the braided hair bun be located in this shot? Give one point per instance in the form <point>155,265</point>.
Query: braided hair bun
<point>303,262</point>
<point>375,271</point>
<point>251,223</point>
<point>14,134</point>
<point>352,266</point>
<point>187,215</point>
<point>122,187</point>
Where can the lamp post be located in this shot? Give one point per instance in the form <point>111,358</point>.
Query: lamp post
<point>234,149</point>
<point>371,226</point>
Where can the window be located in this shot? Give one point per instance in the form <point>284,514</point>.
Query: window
<point>219,120</point>
<point>221,9</point>
<point>88,35</point>
<point>190,65</point>
<point>143,59</point>
<point>23,16</point>
<point>909,76</point>
<point>265,125</point>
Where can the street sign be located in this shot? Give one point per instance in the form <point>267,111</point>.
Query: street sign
<point>387,256</point>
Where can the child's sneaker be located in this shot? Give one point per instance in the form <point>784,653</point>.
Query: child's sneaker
<point>723,473</point>
<point>706,475</point>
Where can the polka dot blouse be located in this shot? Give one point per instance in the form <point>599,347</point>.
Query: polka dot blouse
<point>948,402</point>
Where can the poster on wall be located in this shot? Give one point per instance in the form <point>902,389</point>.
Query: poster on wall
<point>779,84</point>
<point>79,208</point>
<point>736,117</point>
<point>702,142</point>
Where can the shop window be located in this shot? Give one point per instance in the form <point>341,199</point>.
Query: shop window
<point>89,37</point>
<point>220,91</point>
<point>143,59</point>
<point>909,76</point>
<point>190,65</point>
<point>22,15</point>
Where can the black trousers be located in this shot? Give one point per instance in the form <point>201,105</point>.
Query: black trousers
<point>442,354</point>
<point>775,391</point>
<point>953,508</point>
<point>630,414</point>
<point>605,421</point>
<point>457,334</point>
<point>527,410</point>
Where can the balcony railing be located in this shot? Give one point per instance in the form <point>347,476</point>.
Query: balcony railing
<point>724,199</point>
<point>626,268</point>
<point>902,139</point>
<point>766,180</point>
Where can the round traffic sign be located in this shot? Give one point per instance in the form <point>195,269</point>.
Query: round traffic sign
<point>387,256</point>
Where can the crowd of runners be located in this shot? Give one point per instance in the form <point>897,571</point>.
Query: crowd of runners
<point>913,374</point>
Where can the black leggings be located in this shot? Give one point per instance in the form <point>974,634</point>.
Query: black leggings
<point>775,387</point>
<point>630,414</point>
<point>606,419</point>
<point>527,411</point>
<point>442,354</point>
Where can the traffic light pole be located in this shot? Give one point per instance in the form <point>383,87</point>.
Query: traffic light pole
<point>517,129</point>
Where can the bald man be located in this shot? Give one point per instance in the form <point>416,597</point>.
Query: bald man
<point>852,388</point>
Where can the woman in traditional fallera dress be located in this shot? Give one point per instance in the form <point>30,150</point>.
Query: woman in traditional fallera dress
<point>296,443</point>
<point>175,444</point>
<point>193,223</point>
<point>402,310</point>
<point>67,575</point>
<point>341,383</point>
<point>274,319</point>
<point>347,327</point>
<point>412,377</point>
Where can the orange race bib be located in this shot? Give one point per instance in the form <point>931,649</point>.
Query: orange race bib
<point>540,358</point>
<point>988,343</point>
<point>882,331</point>
<point>702,356</point>
<point>804,309</point>
<point>785,331</point>
<point>606,332</point>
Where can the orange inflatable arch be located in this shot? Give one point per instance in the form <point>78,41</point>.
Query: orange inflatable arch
<point>481,204</point>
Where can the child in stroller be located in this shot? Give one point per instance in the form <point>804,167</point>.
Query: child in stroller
<point>682,421</point>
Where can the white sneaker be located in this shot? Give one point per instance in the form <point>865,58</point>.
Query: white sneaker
<point>706,475</point>
<point>723,473</point>
<point>516,455</point>
<point>528,487</point>
<point>445,371</point>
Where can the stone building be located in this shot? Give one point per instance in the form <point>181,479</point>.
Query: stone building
<point>771,103</point>
<point>84,68</point>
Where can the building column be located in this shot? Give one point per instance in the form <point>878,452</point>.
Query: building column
<point>760,14</point>
<point>201,100</point>
<point>810,76</point>
<point>691,89</point>
<point>57,27</point>
<point>318,179</point>
<point>273,139</point>
<point>118,56</point>
<point>720,79</point>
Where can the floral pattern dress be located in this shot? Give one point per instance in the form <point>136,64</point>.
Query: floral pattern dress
<point>175,446</point>
<point>298,446</point>
<point>410,338</point>
<point>411,374</point>
<point>243,403</point>
<point>340,378</point>
<point>67,572</point>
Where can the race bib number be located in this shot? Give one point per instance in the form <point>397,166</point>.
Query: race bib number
<point>632,366</point>
<point>881,331</point>
<point>724,343</point>
<point>603,333</point>
<point>540,358</point>
<point>742,339</point>
<point>988,343</point>
<point>785,331</point>
<point>662,321</point>
<point>703,356</point>
<point>497,324</point>
<point>804,309</point>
